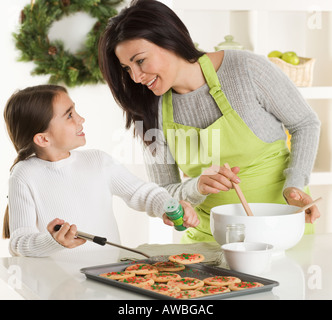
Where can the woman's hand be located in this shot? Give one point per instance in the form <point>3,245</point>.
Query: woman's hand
<point>190,218</point>
<point>66,236</point>
<point>297,197</point>
<point>216,179</point>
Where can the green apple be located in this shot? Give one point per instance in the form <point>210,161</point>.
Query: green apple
<point>292,53</point>
<point>291,57</point>
<point>275,54</point>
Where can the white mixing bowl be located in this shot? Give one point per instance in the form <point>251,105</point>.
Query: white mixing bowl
<point>276,224</point>
<point>248,257</point>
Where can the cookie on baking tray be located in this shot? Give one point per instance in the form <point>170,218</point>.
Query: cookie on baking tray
<point>116,275</point>
<point>186,283</point>
<point>169,266</point>
<point>244,285</point>
<point>186,294</point>
<point>161,288</point>
<point>221,281</point>
<point>142,268</point>
<point>209,290</point>
<point>187,258</point>
<point>137,281</point>
<point>162,276</point>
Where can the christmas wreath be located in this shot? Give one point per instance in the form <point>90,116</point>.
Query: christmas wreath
<point>51,57</point>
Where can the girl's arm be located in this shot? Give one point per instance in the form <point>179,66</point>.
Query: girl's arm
<point>25,238</point>
<point>138,194</point>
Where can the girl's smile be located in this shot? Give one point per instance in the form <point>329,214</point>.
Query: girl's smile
<point>81,133</point>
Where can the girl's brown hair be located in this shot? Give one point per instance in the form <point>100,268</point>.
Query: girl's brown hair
<point>157,23</point>
<point>28,112</point>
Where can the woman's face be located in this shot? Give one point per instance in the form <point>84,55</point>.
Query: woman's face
<point>148,64</point>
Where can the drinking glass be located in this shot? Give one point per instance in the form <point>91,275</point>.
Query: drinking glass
<point>235,233</point>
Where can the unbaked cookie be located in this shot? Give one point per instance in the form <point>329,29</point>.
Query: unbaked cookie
<point>169,266</point>
<point>221,281</point>
<point>208,290</point>
<point>137,281</point>
<point>244,285</point>
<point>161,288</point>
<point>187,258</point>
<point>142,268</point>
<point>186,283</point>
<point>186,294</point>
<point>162,276</point>
<point>117,275</point>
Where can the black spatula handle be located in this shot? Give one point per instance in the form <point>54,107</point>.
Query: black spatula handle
<point>99,240</point>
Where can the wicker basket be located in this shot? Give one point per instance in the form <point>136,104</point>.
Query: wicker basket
<point>302,74</point>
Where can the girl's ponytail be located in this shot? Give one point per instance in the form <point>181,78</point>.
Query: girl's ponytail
<point>5,228</point>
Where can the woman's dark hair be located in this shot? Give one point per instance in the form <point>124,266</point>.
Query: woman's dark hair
<point>155,22</point>
<point>28,112</point>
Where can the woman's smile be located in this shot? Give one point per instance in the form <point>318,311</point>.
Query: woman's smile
<point>151,84</point>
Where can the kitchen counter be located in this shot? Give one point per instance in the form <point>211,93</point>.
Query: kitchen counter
<point>303,272</point>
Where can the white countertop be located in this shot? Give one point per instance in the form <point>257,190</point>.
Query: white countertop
<point>303,272</point>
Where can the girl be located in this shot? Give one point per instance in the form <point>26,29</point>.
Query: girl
<point>50,180</point>
<point>211,108</point>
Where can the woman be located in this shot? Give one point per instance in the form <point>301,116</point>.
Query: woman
<point>210,109</point>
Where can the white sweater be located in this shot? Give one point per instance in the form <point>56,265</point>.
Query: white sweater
<point>77,189</point>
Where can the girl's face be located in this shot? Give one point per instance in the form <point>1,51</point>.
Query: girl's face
<point>148,64</point>
<point>65,131</point>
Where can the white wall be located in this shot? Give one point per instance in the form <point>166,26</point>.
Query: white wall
<point>104,120</point>
<point>103,126</point>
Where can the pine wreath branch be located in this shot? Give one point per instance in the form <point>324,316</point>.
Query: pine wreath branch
<point>51,58</point>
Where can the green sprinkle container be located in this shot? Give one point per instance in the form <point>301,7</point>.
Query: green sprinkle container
<point>174,212</point>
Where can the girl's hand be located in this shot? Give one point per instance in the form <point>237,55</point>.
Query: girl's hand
<point>190,218</point>
<point>216,179</point>
<point>297,197</point>
<point>66,236</point>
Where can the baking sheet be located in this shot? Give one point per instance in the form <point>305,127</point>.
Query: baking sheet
<point>197,270</point>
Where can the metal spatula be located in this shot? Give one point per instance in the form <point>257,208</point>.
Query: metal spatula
<point>101,241</point>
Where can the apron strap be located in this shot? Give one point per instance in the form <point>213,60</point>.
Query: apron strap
<point>167,109</point>
<point>212,80</point>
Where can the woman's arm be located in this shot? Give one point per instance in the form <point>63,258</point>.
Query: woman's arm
<point>162,169</point>
<point>280,97</point>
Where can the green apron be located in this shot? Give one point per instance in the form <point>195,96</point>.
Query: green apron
<point>229,140</point>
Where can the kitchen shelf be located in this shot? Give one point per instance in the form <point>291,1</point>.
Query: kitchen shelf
<point>253,5</point>
<point>316,92</point>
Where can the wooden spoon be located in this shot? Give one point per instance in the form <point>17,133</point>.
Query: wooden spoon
<point>308,205</point>
<point>240,195</point>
